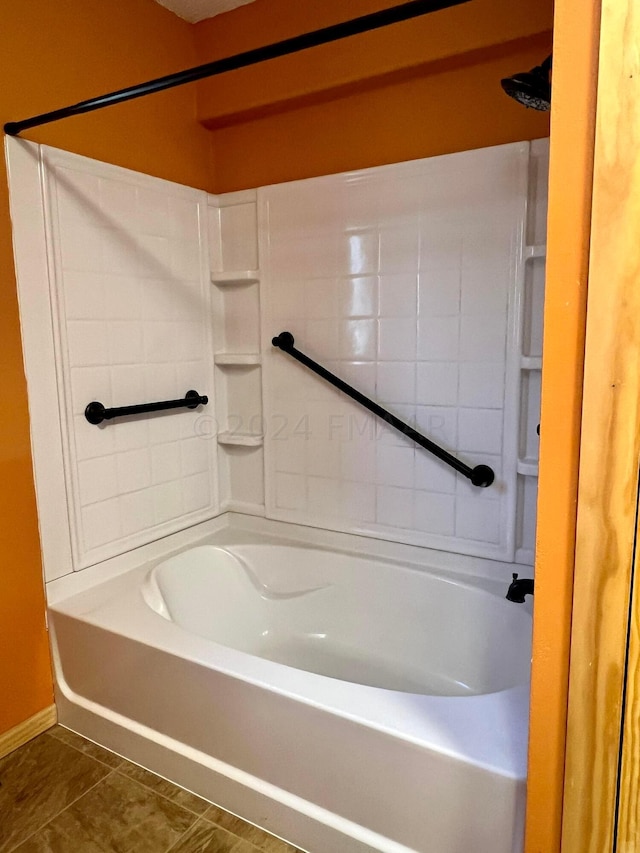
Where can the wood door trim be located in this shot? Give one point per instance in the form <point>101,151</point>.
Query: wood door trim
<point>610,447</point>
<point>628,793</point>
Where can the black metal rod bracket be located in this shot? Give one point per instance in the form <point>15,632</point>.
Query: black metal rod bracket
<point>481,476</point>
<point>365,23</point>
<point>96,413</point>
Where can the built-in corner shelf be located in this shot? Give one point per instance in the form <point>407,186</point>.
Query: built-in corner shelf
<point>538,251</point>
<point>226,279</point>
<point>237,359</point>
<point>528,467</point>
<point>240,439</point>
<point>531,362</point>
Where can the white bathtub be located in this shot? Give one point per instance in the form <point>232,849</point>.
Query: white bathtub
<point>344,702</point>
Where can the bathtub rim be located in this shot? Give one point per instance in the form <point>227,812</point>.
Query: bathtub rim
<point>350,701</point>
<point>509,707</point>
<point>490,575</point>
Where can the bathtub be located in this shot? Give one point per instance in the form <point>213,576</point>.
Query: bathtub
<point>341,694</point>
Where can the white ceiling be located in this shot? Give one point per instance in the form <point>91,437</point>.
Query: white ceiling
<point>198,10</point>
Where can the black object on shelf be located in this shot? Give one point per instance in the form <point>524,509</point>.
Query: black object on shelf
<point>363,24</point>
<point>481,475</point>
<point>95,412</point>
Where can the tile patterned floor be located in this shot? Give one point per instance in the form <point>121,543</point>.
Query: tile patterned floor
<point>60,793</point>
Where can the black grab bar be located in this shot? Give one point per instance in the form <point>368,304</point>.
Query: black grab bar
<point>95,412</point>
<point>481,475</point>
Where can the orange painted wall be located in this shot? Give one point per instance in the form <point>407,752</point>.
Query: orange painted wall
<point>455,109</point>
<point>570,186</point>
<point>410,45</point>
<point>51,55</point>
<point>420,88</point>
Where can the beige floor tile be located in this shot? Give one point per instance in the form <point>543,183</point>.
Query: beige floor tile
<point>260,839</point>
<point>37,781</point>
<point>166,789</point>
<point>117,816</point>
<point>85,746</point>
<point>204,837</point>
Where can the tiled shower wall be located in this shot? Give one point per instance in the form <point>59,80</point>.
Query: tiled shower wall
<point>131,310</point>
<point>420,283</point>
<point>408,281</point>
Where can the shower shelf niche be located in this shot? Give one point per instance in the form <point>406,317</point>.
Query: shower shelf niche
<point>230,359</point>
<point>528,467</point>
<point>531,362</point>
<point>235,277</point>
<point>240,439</point>
<point>534,252</point>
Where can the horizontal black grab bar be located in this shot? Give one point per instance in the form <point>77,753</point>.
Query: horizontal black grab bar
<point>481,475</point>
<point>95,412</point>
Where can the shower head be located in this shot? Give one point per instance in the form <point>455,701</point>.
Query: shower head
<point>531,88</point>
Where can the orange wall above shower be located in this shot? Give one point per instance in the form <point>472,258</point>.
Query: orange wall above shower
<point>416,89</point>
<point>51,55</point>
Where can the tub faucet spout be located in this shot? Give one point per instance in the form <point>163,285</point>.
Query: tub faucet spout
<point>518,588</point>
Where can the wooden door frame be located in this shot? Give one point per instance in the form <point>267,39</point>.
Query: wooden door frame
<point>609,454</point>
<point>573,109</point>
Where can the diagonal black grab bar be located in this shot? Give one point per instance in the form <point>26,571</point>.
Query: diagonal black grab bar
<point>95,412</point>
<point>363,24</point>
<point>481,475</point>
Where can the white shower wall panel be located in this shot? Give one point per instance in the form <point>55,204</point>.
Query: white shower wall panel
<point>406,281</point>
<point>409,281</point>
<point>131,308</point>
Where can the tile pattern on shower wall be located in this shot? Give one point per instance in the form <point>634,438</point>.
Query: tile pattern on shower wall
<point>132,311</point>
<point>401,280</point>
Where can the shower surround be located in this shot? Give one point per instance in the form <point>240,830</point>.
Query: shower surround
<point>419,283</point>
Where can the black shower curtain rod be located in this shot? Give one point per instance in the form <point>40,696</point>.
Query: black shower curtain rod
<point>402,12</point>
